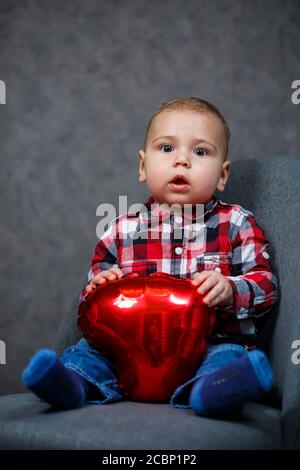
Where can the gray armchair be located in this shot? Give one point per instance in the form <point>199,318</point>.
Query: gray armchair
<point>269,188</point>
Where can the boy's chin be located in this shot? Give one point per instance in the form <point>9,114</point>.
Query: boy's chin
<point>177,200</point>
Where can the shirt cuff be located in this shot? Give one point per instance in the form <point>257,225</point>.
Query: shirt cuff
<point>241,296</point>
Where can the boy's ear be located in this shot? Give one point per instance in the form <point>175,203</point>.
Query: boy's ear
<point>224,175</point>
<point>142,176</point>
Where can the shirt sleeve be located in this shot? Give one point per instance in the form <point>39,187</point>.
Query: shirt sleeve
<point>253,280</point>
<point>105,255</point>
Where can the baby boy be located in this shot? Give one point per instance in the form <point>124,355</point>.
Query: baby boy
<point>184,162</point>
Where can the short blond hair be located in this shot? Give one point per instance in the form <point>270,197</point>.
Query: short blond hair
<point>193,104</point>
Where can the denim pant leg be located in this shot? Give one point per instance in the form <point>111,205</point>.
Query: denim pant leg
<point>95,368</point>
<point>217,356</point>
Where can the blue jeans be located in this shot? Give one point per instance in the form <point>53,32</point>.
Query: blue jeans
<point>100,371</point>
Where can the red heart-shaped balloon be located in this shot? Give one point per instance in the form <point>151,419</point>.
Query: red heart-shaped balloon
<point>154,328</point>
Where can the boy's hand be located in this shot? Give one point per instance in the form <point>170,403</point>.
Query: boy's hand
<point>101,278</point>
<point>217,286</point>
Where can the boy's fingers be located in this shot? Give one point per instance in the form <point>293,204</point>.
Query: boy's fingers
<point>95,281</point>
<point>91,286</point>
<point>206,285</point>
<point>104,276</point>
<point>117,271</point>
<point>198,278</point>
<point>213,294</point>
<point>109,275</point>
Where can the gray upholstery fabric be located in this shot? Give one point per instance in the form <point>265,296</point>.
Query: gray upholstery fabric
<point>268,187</point>
<point>27,423</point>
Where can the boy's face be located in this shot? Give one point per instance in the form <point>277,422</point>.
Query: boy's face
<point>187,143</point>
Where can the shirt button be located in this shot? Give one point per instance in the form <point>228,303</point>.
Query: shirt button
<point>178,250</point>
<point>178,219</point>
<point>218,269</point>
<point>266,255</point>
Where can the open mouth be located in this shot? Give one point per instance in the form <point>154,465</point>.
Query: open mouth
<point>179,183</point>
<point>179,179</point>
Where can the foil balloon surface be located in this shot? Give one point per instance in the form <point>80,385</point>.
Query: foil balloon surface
<point>154,328</point>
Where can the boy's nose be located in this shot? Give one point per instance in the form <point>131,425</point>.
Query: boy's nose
<point>182,159</point>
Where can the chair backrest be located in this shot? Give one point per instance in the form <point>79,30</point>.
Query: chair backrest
<point>269,188</point>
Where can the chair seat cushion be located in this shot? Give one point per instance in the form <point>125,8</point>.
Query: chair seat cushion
<point>28,423</point>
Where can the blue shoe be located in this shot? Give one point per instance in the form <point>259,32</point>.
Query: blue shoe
<point>53,382</point>
<point>229,387</point>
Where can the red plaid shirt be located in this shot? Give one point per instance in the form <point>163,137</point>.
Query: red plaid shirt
<point>231,243</point>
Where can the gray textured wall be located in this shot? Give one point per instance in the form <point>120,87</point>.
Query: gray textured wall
<point>83,78</point>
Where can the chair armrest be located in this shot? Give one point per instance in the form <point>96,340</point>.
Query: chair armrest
<point>288,330</point>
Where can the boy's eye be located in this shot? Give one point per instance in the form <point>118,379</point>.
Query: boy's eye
<point>201,151</point>
<point>165,146</point>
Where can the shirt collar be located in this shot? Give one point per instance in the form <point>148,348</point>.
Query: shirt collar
<point>156,210</point>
